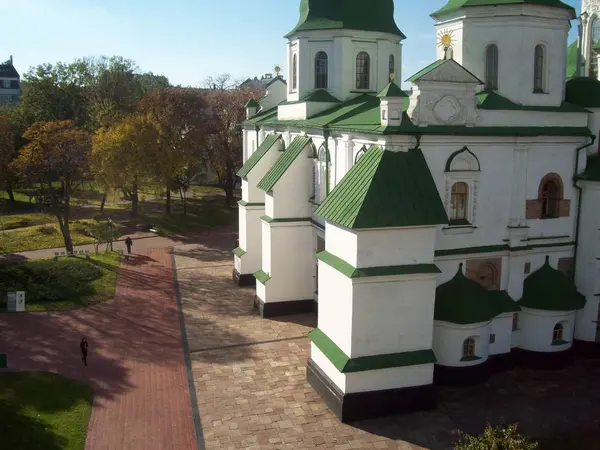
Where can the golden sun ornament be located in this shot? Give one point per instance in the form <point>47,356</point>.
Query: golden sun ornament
<point>445,39</point>
<point>277,69</point>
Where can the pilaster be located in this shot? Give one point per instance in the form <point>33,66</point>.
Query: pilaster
<point>518,196</point>
<point>372,352</point>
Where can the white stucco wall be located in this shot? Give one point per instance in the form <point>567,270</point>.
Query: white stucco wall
<point>448,339</point>
<point>250,239</point>
<point>537,327</point>
<point>587,275</point>
<point>392,315</point>
<point>501,327</point>
<point>336,306</point>
<point>291,277</point>
<point>250,192</point>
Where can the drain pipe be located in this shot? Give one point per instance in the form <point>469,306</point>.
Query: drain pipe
<point>327,161</point>
<point>579,197</point>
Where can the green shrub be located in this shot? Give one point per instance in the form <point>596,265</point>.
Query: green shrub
<point>50,281</point>
<point>499,438</point>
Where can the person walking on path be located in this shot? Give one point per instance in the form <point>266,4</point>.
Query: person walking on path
<point>84,350</point>
<point>128,243</point>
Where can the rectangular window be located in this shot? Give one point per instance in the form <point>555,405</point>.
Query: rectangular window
<point>492,338</point>
<point>6,84</point>
<point>515,324</point>
<point>527,267</point>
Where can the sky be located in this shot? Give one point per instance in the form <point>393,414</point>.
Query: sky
<point>185,40</point>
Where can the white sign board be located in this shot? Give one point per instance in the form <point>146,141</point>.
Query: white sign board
<point>16,301</point>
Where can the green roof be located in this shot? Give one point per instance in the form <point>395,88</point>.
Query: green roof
<point>374,15</point>
<point>283,163</point>
<point>583,91</point>
<point>572,60</point>
<point>464,301</point>
<point>503,302</point>
<point>592,169</point>
<point>392,90</point>
<point>362,114</point>
<point>548,289</point>
<point>494,101</point>
<point>455,5</point>
<point>316,96</point>
<point>251,104</point>
<point>439,63</point>
<point>258,154</point>
<point>385,189</point>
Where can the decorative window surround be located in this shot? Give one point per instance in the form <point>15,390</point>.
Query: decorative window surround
<point>462,167</point>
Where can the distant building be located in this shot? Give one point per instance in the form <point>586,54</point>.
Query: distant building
<point>265,81</point>
<point>10,83</point>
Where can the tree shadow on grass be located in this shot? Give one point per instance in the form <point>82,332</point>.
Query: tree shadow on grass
<point>34,435</point>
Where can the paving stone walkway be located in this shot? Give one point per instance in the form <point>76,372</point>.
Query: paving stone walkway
<point>136,361</point>
<point>250,379</point>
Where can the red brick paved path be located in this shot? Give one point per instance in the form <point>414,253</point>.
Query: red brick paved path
<point>136,361</point>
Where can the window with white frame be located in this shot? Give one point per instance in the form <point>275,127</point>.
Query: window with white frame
<point>462,174</point>
<point>491,67</point>
<point>468,347</point>
<point>558,333</point>
<point>539,68</point>
<point>294,72</point>
<point>321,70</point>
<point>363,71</point>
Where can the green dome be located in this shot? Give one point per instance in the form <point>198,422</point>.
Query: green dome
<point>373,15</point>
<point>583,91</point>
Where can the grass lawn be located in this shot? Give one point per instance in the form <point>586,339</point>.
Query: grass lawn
<point>42,236</point>
<point>43,411</point>
<point>65,284</point>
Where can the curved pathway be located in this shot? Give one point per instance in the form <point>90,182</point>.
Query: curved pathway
<point>136,360</point>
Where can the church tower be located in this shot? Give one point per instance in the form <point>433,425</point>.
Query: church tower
<point>518,48</point>
<point>343,47</point>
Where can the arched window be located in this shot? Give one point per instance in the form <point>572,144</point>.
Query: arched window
<point>539,67</point>
<point>295,72</point>
<point>363,70</point>
<point>550,199</point>
<point>491,67</point>
<point>595,38</point>
<point>557,333</point>
<point>459,201</point>
<point>468,347</point>
<point>321,70</point>
<point>392,67</point>
<point>488,276</point>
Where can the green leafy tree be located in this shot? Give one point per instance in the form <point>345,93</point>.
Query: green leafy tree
<point>181,118</point>
<point>57,157</point>
<point>119,155</point>
<point>499,438</point>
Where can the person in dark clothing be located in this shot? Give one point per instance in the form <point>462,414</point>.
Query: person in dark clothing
<point>128,243</point>
<point>84,350</point>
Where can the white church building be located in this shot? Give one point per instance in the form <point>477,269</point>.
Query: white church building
<point>443,233</point>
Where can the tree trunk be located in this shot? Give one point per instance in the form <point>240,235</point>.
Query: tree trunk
<point>134,200</point>
<point>102,203</point>
<point>63,219</point>
<point>11,194</point>
<point>182,195</point>
<point>168,203</point>
<point>229,182</point>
